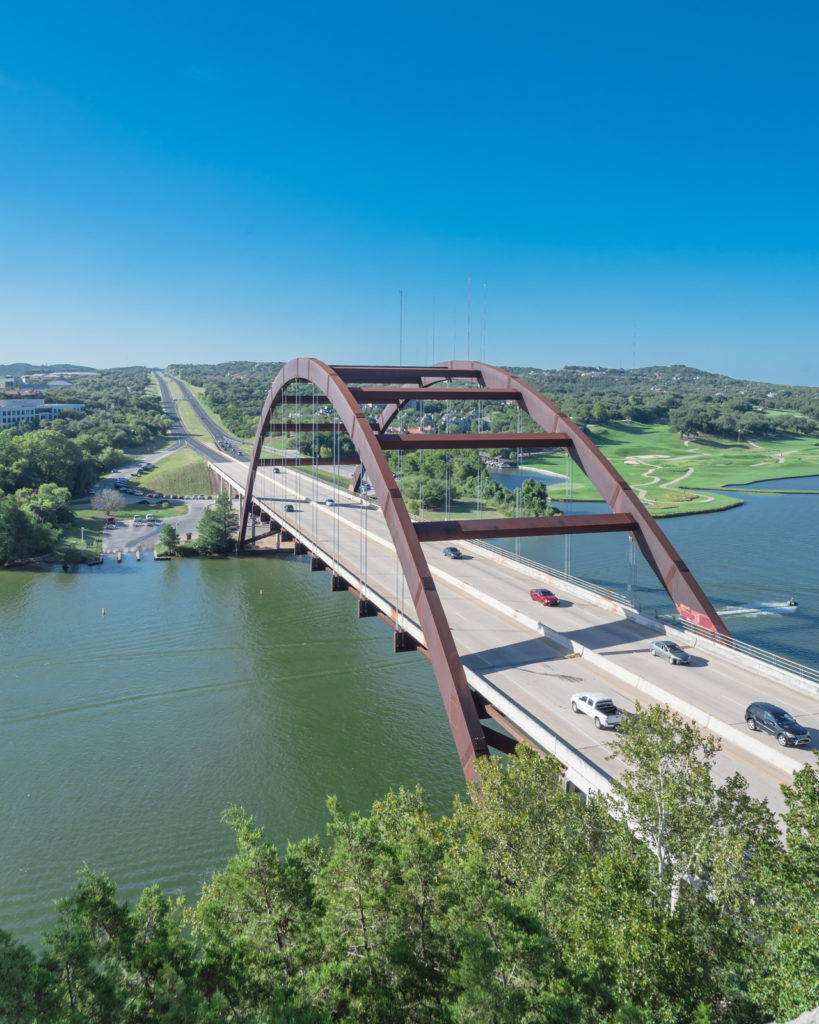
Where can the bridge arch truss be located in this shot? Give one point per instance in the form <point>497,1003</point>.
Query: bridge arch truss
<point>348,388</point>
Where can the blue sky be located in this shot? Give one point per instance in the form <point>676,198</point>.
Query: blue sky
<point>549,184</point>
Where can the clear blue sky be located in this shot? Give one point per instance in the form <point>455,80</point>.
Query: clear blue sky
<point>623,183</point>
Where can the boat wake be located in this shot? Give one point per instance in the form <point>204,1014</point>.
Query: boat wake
<point>764,608</point>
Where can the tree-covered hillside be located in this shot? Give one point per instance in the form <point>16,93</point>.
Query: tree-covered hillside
<point>692,402</point>
<point>235,390</point>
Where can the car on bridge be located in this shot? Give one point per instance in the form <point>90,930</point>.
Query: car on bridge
<point>452,553</point>
<point>543,596</point>
<point>289,508</point>
<point>669,650</point>
<point>778,722</point>
<point>598,706</point>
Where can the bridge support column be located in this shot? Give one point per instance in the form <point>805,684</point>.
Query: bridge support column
<point>366,609</point>
<point>338,583</point>
<point>403,641</point>
<point>316,564</point>
<point>299,548</point>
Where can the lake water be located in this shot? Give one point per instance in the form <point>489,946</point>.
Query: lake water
<point>749,560</point>
<point>123,736</point>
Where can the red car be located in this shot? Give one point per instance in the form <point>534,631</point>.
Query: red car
<point>544,597</point>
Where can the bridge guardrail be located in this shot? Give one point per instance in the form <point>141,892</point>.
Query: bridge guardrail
<point>558,574</point>
<point>777,661</point>
<point>740,646</point>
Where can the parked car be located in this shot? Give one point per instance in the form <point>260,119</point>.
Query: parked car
<point>668,649</point>
<point>151,519</point>
<point>138,521</point>
<point>329,501</point>
<point>778,722</point>
<point>597,706</point>
<point>289,508</point>
<point>543,596</point>
<point>452,553</point>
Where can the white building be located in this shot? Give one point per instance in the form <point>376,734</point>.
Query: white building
<point>13,410</point>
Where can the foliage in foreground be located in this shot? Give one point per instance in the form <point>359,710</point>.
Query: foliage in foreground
<point>528,905</point>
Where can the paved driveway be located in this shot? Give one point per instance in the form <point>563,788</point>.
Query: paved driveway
<point>125,536</point>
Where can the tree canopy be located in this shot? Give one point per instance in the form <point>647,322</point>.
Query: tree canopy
<point>528,904</point>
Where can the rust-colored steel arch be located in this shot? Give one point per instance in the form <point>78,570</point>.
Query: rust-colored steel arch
<point>669,568</point>
<point>470,737</point>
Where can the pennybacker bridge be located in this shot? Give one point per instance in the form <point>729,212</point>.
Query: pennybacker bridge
<point>500,659</point>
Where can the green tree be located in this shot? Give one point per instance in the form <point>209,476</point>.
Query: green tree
<point>20,535</point>
<point>256,922</point>
<point>790,911</point>
<point>217,527</point>
<point>26,990</point>
<point>169,538</point>
<point>47,503</point>
<point>699,831</point>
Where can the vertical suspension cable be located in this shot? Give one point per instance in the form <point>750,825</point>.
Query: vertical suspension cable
<point>567,538</point>
<point>519,488</point>
<point>334,520</point>
<point>421,469</point>
<point>316,454</point>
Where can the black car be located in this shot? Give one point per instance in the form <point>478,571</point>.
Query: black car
<point>776,721</point>
<point>289,508</point>
<point>452,553</point>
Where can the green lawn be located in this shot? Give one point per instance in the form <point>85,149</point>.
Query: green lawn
<point>82,541</point>
<point>671,475</point>
<point>184,472</point>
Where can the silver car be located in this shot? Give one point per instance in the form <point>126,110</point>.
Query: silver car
<point>669,650</point>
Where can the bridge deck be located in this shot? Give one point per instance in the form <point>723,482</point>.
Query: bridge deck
<point>515,652</point>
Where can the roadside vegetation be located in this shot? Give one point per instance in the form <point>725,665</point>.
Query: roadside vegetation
<point>675,900</point>
<point>183,472</point>
<point>232,392</point>
<point>191,422</point>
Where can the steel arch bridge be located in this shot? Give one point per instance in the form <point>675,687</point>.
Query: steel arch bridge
<point>347,388</point>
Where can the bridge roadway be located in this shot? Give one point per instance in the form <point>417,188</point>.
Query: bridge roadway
<point>527,674</point>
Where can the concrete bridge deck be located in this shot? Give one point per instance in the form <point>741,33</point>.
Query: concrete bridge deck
<point>528,660</point>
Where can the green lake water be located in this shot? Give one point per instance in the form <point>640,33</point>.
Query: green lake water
<point>123,736</point>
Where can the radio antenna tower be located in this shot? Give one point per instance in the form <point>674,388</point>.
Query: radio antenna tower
<point>483,327</point>
<point>400,326</point>
<point>468,311</point>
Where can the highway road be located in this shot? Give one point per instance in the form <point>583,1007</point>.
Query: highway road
<point>494,624</point>
<point>485,599</point>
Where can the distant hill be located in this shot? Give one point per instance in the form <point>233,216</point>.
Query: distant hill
<point>19,369</point>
